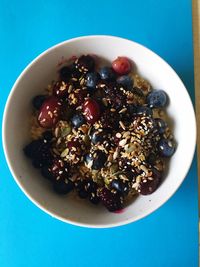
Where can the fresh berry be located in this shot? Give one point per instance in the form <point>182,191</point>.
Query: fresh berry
<point>120,186</point>
<point>39,152</point>
<point>166,147</point>
<point>144,111</point>
<point>78,120</point>
<point>99,159</point>
<point>106,73</point>
<point>65,73</point>
<point>157,99</point>
<point>121,65</point>
<point>74,143</point>
<point>92,79</point>
<point>161,125</point>
<point>149,186</point>
<point>63,186</point>
<point>126,81</point>
<point>96,161</point>
<point>49,112</point>
<point>46,173</point>
<point>94,199</point>
<point>91,110</point>
<point>82,189</point>
<point>58,169</point>
<point>98,136</point>
<point>38,101</point>
<point>60,89</point>
<point>85,63</point>
<point>112,202</point>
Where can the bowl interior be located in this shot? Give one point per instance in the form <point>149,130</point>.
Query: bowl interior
<point>33,81</point>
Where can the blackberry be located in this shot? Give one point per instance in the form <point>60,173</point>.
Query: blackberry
<point>85,63</point>
<point>111,201</point>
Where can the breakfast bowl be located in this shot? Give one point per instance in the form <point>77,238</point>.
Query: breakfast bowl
<point>16,130</point>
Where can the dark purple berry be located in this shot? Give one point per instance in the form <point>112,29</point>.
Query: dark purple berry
<point>149,186</point>
<point>85,63</point>
<point>46,173</point>
<point>65,73</point>
<point>63,186</point>
<point>94,199</point>
<point>58,168</point>
<point>111,201</point>
<point>38,101</point>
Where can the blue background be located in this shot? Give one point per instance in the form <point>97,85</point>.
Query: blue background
<point>28,236</point>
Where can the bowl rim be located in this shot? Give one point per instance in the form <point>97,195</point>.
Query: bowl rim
<point>42,207</point>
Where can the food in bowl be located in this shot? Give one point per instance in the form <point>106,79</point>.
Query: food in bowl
<point>101,131</point>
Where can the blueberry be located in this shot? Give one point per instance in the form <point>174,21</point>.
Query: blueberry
<point>37,163</point>
<point>81,187</point>
<point>107,73</point>
<point>31,149</point>
<point>97,137</point>
<point>120,186</point>
<point>96,162</point>
<point>91,79</point>
<point>65,73</point>
<point>94,199</point>
<point>99,160</point>
<point>144,111</point>
<point>63,186</point>
<point>46,173</point>
<point>38,101</point>
<point>125,81</point>
<point>161,125</point>
<point>88,159</point>
<point>83,194</point>
<point>157,99</point>
<point>166,147</point>
<point>78,120</point>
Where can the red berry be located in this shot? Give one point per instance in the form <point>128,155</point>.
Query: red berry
<point>49,112</point>
<point>91,110</point>
<point>60,89</point>
<point>121,65</point>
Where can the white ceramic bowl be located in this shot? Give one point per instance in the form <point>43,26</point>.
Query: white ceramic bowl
<point>35,78</point>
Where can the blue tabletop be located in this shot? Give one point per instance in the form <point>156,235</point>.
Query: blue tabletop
<point>28,236</point>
